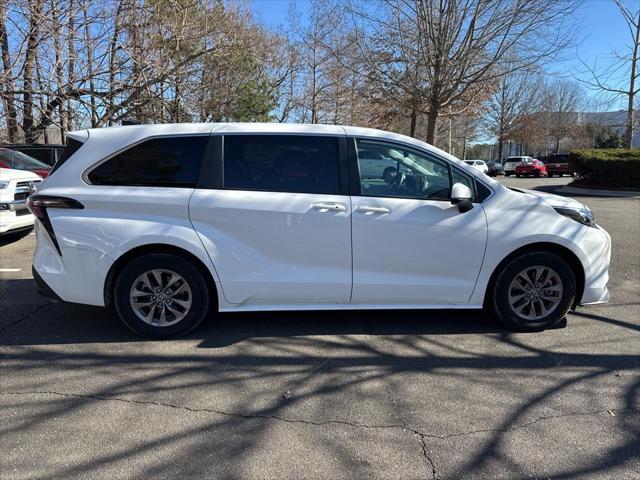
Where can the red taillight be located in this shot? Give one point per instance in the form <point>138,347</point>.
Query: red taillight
<point>38,205</point>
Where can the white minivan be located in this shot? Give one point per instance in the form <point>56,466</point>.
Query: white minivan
<point>167,224</point>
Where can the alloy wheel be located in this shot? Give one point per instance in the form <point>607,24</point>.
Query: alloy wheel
<point>160,297</point>
<point>535,292</point>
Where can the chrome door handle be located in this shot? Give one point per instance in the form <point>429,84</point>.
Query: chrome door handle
<point>329,206</point>
<point>371,209</point>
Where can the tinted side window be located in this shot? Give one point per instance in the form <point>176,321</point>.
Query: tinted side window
<point>159,162</point>
<point>282,163</point>
<point>483,192</point>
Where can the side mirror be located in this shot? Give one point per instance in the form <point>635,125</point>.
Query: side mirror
<point>461,196</point>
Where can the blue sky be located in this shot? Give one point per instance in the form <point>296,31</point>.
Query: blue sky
<point>602,30</point>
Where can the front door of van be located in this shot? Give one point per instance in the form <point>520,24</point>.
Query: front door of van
<point>279,229</point>
<point>410,245</point>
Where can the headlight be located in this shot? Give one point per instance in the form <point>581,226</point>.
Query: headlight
<point>580,215</point>
<point>3,184</point>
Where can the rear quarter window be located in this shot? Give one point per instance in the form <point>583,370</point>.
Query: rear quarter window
<point>158,162</point>
<point>64,155</point>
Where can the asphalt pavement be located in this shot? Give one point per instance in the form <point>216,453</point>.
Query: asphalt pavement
<point>388,394</point>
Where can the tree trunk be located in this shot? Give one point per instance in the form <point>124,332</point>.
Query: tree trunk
<point>57,48</point>
<point>89,50</point>
<point>432,120</point>
<point>414,121</point>
<point>628,141</point>
<point>432,125</point>
<point>71,59</point>
<point>113,67</point>
<point>28,124</point>
<point>7,80</point>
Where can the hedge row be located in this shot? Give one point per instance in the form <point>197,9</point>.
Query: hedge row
<point>607,168</point>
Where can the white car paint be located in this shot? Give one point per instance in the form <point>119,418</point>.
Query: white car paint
<point>479,165</point>
<point>282,251</point>
<point>13,212</point>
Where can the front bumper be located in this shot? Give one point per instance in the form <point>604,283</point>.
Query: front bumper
<point>10,222</point>
<point>597,246</point>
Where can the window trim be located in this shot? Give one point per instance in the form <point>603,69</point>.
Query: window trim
<point>343,174</point>
<point>354,169</point>
<point>91,168</point>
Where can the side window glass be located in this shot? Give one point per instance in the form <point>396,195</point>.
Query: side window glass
<point>282,163</point>
<point>483,192</point>
<point>389,170</point>
<point>159,162</point>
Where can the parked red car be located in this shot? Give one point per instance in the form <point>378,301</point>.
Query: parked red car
<point>20,161</point>
<point>531,167</point>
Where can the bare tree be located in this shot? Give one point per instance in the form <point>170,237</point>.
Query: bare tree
<point>517,96</point>
<point>460,45</point>
<point>7,93</point>
<point>626,65</point>
<point>563,99</point>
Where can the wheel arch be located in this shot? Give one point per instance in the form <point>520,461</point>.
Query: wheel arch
<point>129,255</point>
<point>560,250</point>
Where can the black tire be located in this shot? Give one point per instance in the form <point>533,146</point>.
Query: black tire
<point>200,295</point>
<point>507,174</point>
<point>537,174</point>
<point>518,175</point>
<point>498,301</point>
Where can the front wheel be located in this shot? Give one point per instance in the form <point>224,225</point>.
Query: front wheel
<point>534,291</point>
<point>160,296</point>
<point>507,174</point>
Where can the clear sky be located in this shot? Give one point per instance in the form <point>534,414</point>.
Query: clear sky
<point>602,30</point>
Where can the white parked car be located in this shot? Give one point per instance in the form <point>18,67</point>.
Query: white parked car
<point>15,187</point>
<point>512,162</point>
<point>167,224</point>
<point>479,165</point>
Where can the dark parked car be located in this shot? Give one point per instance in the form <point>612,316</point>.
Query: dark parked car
<point>495,168</point>
<point>558,164</point>
<point>48,154</point>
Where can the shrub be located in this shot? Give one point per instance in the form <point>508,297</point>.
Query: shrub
<point>607,168</point>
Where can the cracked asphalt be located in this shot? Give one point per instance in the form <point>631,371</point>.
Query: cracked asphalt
<point>390,394</point>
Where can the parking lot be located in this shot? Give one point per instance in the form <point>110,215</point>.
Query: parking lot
<point>388,394</point>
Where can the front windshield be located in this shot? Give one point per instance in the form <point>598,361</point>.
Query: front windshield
<point>20,161</point>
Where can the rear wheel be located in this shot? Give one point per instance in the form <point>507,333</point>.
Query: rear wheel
<point>507,174</point>
<point>534,291</point>
<point>160,296</point>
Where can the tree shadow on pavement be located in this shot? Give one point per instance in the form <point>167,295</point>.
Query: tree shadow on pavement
<point>359,382</point>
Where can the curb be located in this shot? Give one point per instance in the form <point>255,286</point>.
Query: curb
<point>601,193</point>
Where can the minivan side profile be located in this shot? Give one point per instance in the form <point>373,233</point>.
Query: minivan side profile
<point>167,224</point>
